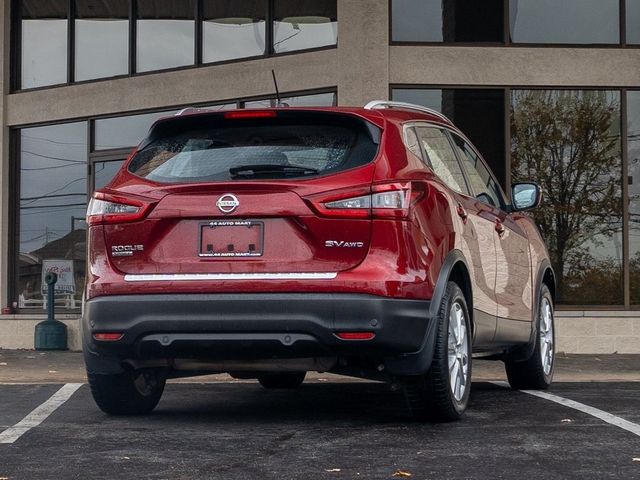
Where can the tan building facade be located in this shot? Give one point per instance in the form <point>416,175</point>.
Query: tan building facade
<point>365,63</point>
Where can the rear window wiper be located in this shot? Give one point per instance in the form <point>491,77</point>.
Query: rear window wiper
<point>268,169</point>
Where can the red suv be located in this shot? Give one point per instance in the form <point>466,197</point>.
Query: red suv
<point>371,242</point>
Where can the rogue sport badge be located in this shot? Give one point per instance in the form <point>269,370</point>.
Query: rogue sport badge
<point>227,203</point>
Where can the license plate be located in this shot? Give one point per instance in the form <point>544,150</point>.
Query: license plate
<point>231,238</point>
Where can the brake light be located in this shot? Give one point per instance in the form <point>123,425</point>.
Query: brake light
<point>387,200</point>
<point>104,208</point>
<point>236,114</point>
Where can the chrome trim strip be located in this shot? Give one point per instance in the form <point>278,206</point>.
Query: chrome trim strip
<point>178,277</point>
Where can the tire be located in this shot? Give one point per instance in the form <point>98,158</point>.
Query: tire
<point>435,395</point>
<point>288,380</point>
<point>536,373</point>
<point>133,392</point>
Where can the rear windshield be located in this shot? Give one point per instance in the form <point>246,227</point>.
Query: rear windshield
<point>212,148</point>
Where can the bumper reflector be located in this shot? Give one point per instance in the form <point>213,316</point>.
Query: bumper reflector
<point>355,335</point>
<point>108,337</point>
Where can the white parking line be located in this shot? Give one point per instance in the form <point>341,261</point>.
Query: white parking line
<point>594,412</point>
<point>37,416</point>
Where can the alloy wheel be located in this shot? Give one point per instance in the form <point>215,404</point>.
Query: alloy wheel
<point>458,351</point>
<point>546,336</point>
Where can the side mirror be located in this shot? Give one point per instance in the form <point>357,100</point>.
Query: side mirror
<point>525,196</point>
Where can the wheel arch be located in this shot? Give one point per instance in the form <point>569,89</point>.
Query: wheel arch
<point>454,268</point>
<point>460,275</point>
<point>544,276</point>
<point>549,279</point>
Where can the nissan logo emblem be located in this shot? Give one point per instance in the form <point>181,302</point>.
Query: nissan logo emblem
<point>227,203</point>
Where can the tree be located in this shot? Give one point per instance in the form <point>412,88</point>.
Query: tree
<point>569,143</point>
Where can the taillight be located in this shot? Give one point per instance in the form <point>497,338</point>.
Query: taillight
<point>105,208</point>
<point>386,200</point>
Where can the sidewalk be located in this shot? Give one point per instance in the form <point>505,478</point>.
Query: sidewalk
<point>28,366</point>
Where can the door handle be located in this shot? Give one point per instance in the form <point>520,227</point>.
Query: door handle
<point>500,228</point>
<point>462,213</point>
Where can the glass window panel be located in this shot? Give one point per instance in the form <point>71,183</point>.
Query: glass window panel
<point>53,195</point>
<point>316,100</point>
<point>633,146</point>
<point>233,29</point>
<point>633,21</point>
<point>430,98</point>
<point>124,132</point>
<point>265,103</point>
<point>483,185</point>
<point>102,38</point>
<point>304,24</point>
<point>568,21</point>
<point>225,106</point>
<point>104,172</point>
<point>440,157</point>
<point>464,106</point>
<point>569,142</point>
<point>166,32</point>
<point>447,21</point>
<point>44,43</point>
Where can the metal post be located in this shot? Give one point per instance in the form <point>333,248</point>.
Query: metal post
<point>50,279</point>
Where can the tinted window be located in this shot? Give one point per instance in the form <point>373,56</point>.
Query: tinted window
<point>447,21</point>
<point>633,144</point>
<point>233,29</point>
<point>315,100</point>
<point>569,143</point>
<point>304,24</point>
<point>483,185</point>
<point>53,192</point>
<point>103,172</point>
<point>566,21</point>
<point>464,106</point>
<point>412,142</point>
<point>124,132</point>
<point>44,43</point>
<point>102,36</point>
<point>165,34</point>
<point>212,149</point>
<point>633,21</point>
<point>437,150</point>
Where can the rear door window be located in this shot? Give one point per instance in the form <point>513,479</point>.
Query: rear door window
<point>212,148</point>
<point>436,148</point>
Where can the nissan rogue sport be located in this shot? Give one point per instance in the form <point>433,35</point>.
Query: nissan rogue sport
<point>371,242</point>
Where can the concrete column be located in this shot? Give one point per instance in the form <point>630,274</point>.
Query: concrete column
<point>4,150</point>
<point>363,51</point>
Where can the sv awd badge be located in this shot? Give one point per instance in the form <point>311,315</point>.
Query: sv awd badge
<point>343,244</point>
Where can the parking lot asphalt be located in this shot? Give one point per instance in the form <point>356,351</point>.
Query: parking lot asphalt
<point>325,430</point>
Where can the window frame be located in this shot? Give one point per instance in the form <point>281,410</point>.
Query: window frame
<point>506,42</point>
<point>626,305</point>
<point>93,157</point>
<point>16,46</point>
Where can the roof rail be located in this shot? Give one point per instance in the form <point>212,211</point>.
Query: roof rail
<point>377,104</point>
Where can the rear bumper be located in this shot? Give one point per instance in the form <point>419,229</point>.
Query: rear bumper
<point>252,326</point>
